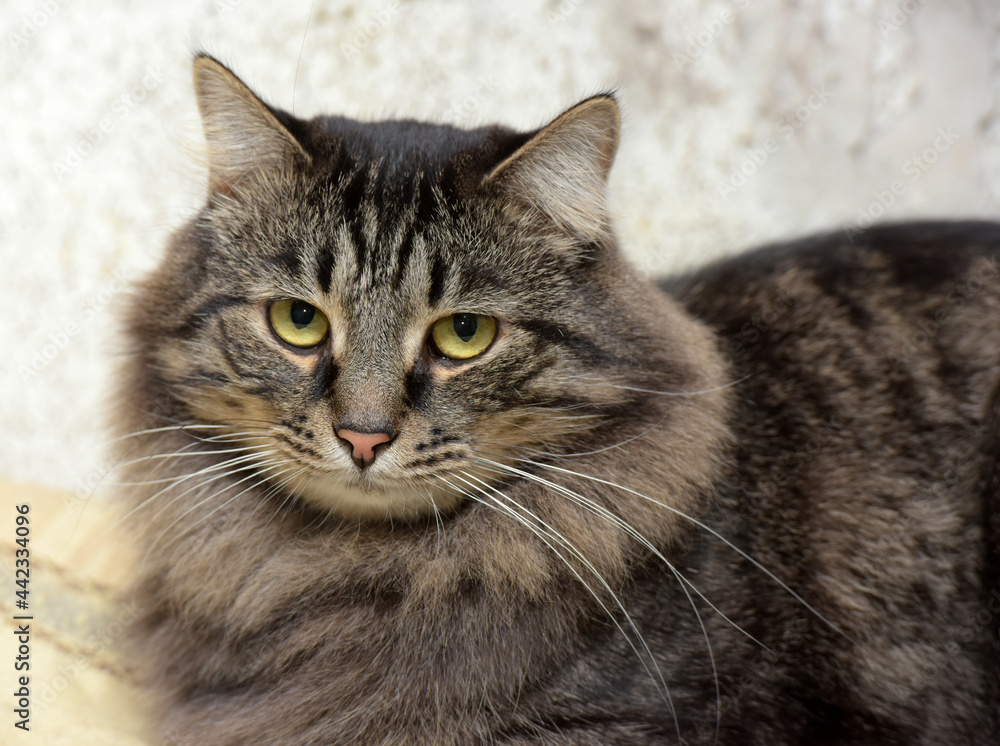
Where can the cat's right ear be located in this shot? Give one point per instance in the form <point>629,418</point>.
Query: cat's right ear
<point>244,136</point>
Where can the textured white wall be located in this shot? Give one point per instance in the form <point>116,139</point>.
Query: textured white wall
<point>827,104</point>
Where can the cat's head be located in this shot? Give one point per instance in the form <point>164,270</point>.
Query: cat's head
<point>387,312</point>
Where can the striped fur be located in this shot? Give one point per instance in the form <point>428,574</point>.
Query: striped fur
<point>638,517</point>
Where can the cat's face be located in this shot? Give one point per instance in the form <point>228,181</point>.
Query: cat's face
<point>381,312</point>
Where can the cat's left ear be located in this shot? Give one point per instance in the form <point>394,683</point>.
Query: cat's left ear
<point>563,169</point>
<point>245,138</point>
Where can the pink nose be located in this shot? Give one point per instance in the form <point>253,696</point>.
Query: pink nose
<point>363,445</point>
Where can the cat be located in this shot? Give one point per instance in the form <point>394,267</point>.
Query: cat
<point>416,457</point>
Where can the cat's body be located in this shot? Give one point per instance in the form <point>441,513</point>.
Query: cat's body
<point>805,438</point>
<point>866,468</point>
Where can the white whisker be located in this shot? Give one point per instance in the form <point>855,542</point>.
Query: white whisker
<point>704,527</point>
<point>548,530</point>
<point>289,469</point>
<point>181,454</point>
<point>600,382</point>
<point>222,465</point>
<point>153,430</point>
<point>263,478</point>
<point>682,393</point>
<point>626,527</point>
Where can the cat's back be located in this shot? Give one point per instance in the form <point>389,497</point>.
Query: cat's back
<point>866,371</point>
<point>908,312</point>
<point>900,321</point>
<point>906,268</point>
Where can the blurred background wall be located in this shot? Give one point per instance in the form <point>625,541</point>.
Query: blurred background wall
<point>745,121</point>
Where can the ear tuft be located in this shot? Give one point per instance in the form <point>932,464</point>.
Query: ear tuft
<point>243,134</point>
<point>563,169</point>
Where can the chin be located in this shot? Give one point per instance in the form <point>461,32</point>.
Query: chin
<point>372,499</point>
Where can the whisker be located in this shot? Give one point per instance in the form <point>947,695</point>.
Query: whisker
<point>682,393</point>
<point>253,461</point>
<point>215,439</point>
<point>289,498</point>
<point>231,436</point>
<point>555,535</point>
<point>153,430</point>
<point>165,457</point>
<point>214,467</point>
<point>265,477</point>
<point>704,527</point>
<point>682,581</point>
<point>182,453</point>
<point>598,382</point>
<point>624,526</point>
<point>577,454</point>
<point>274,490</point>
<point>182,478</point>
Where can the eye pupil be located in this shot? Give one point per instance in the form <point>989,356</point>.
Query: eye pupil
<point>302,314</point>
<point>465,325</point>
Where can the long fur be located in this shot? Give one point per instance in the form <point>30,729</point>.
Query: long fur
<point>757,504</point>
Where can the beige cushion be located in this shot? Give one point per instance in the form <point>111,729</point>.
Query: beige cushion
<point>81,692</point>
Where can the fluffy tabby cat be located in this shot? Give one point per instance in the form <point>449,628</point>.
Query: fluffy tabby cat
<point>418,458</point>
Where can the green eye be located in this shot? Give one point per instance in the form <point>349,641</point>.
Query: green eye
<point>463,335</point>
<point>298,323</point>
